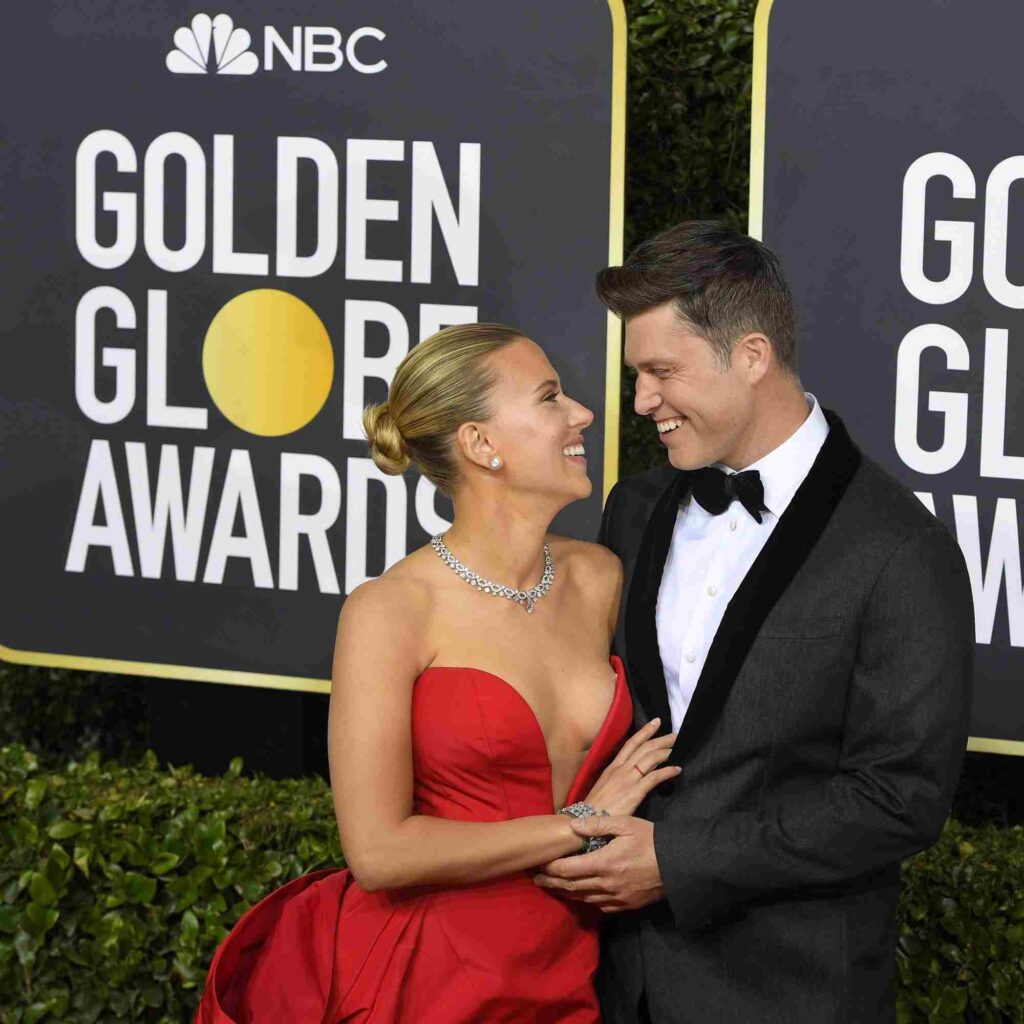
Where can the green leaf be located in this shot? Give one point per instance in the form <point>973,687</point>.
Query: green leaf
<point>164,862</point>
<point>25,946</point>
<point>38,920</point>
<point>41,889</point>
<point>953,1002</point>
<point>26,834</point>
<point>189,927</point>
<point>152,994</point>
<point>34,793</point>
<point>58,1001</point>
<point>35,1012</point>
<point>9,917</point>
<point>58,866</point>
<point>63,830</point>
<point>140,888</point>
<point>81,858</point>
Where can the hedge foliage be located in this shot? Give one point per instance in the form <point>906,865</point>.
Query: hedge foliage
<point>687,139</point>
<point>117,883</point>
<point>960,953</point>
<point>62,715</point>
<point>120,882</point>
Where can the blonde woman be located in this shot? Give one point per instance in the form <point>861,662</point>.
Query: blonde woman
<point>474,712</point>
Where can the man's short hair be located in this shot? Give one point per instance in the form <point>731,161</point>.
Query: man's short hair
<point>723,284</point>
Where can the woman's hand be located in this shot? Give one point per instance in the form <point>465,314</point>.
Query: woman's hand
<point>621,787</point>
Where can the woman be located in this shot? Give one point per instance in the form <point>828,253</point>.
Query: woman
<point>473,713</point>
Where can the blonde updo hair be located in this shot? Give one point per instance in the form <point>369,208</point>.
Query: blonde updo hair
<point>442,383</point>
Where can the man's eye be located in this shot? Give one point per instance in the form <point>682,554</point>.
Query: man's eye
<point>552,396</point>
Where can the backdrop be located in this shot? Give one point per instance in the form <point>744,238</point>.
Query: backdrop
<point>886,169</point>
<point>214,255</point>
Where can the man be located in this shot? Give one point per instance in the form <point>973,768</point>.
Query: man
<point>806,626</point>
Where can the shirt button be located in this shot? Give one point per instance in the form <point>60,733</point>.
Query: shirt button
<point>691,657</point>
<point>712,591</point>
<point>732,524</point>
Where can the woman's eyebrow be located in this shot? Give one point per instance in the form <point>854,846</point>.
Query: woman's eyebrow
<point>546,384</point>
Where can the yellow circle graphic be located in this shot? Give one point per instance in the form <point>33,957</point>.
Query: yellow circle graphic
<point>268,362</point>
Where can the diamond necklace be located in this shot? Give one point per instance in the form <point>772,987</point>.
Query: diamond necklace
<point>523,597</point>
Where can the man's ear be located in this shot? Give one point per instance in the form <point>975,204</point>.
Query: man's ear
<point>754,355</point>
<point>474,443</point>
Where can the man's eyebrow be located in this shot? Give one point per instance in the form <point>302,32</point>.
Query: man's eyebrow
<point>546,384</point>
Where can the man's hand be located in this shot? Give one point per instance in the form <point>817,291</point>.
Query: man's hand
<point>622,876</point>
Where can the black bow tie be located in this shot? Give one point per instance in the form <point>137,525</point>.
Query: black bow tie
<point>715,491</point>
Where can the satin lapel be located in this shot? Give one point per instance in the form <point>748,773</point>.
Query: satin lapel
<point>778,562</point>
<point>646,675</point>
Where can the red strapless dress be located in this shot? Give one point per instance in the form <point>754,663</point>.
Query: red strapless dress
<point>320,950</point>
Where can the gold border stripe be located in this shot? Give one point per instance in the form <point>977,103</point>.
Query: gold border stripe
<point>616,199</point>
<point>145,668</point>
<point>758,100</point>
<point>979,744</point>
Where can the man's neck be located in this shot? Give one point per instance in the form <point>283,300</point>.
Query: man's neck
<point>784,413</point>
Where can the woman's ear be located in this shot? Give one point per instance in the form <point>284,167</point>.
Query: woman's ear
<point>475,445</point>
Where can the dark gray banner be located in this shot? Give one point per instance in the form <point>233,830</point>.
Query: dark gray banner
<point>221,232</point>
<point>893,190</point>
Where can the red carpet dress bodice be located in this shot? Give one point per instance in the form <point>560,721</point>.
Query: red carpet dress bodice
<point>321,949</point>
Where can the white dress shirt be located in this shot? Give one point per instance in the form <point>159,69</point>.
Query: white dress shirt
<point>710,556</point>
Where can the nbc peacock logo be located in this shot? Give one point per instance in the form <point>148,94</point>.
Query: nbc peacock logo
<point>212,43</point>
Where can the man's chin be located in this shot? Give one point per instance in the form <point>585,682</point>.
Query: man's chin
<point>681,460</point>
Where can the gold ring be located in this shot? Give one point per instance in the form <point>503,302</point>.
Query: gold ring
<point>642,773</point>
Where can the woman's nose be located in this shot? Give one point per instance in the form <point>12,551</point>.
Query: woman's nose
<point>584,416</point>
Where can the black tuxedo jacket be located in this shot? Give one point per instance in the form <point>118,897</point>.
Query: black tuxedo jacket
<point>822,746</point>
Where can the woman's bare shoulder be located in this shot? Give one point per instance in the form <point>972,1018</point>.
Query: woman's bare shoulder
<point>384,629</point>
<point>586,559</point>
<point>401,594</point>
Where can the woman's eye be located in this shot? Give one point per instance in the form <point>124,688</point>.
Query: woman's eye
<point>552,396</point>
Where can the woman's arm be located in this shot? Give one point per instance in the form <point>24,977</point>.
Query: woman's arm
<point>378,655</point>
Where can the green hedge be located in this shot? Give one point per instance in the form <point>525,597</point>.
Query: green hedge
<point>961,929</point>
<point>687,139</point>
<point>63,715</point>
<point>119,883</point>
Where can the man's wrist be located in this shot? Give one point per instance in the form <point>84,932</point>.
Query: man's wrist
<point>581,809</point>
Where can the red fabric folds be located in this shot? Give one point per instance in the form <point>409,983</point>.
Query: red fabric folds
<point>321,950</point>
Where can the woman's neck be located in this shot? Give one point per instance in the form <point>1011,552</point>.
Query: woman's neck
<point>500,541</point>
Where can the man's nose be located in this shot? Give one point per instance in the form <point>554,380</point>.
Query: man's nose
<point>645,399</point>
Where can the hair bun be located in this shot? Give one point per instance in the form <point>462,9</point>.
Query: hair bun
<point>387,447</point>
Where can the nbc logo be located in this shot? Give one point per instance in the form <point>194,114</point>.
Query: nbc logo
<point>216,44</point>
<point>230,46</point>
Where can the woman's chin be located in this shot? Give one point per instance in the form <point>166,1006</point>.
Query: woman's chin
<point>576,490</point>
<point>584,488</point>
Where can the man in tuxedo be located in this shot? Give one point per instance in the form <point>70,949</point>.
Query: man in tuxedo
<point>806,626</point>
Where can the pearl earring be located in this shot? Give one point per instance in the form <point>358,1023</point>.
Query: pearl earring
<point>495,463</point>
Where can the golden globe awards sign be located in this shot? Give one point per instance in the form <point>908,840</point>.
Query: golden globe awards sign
<point>888,172</point>
<point>223,230</point>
